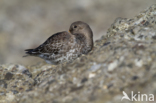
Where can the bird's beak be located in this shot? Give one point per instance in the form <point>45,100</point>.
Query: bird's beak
<point>70,30</point>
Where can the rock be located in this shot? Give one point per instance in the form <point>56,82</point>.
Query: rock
<point>14,79</point>
<point>123,60</point>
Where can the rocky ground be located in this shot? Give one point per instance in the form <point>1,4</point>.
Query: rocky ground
<point>123,60</point>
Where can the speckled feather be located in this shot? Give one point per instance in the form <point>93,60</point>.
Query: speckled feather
<point>63,46</point>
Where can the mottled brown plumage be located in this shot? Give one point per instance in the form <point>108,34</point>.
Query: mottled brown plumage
<point>65,46</point>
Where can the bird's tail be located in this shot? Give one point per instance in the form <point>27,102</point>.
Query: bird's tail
<point>30,52</point>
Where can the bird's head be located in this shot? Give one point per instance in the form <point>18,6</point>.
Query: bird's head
<point>81,27</point>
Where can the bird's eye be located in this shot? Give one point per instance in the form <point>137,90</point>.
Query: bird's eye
<point>75,26</point>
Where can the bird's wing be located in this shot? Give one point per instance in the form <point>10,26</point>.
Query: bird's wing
<point>53,45</point>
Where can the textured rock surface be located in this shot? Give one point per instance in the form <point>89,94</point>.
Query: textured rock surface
<point>123,60</point>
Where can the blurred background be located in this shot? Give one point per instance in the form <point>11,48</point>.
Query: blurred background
<point>25,24</point>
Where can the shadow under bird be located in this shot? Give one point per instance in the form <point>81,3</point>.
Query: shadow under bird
<point>65,46</point>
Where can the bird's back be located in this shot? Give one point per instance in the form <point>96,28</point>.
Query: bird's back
<point>58,48</point>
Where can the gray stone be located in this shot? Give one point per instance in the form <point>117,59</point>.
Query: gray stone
<point>123,60</point>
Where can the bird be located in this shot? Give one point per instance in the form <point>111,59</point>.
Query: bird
<point>65,46</point>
